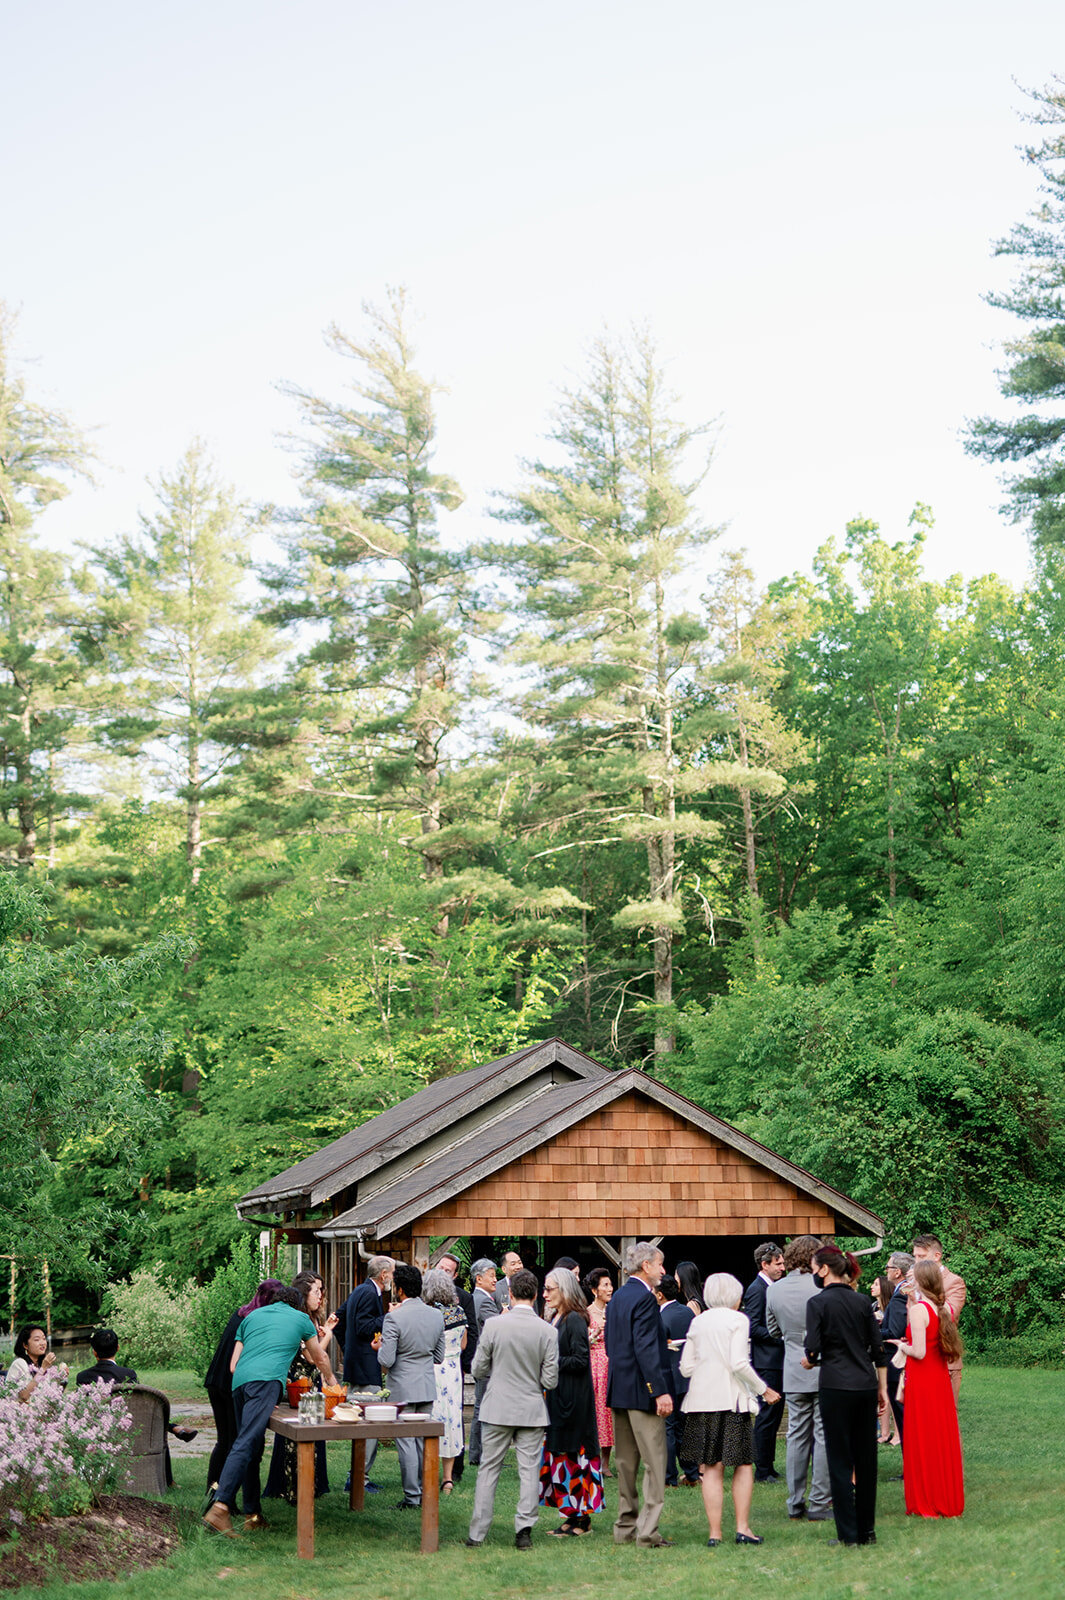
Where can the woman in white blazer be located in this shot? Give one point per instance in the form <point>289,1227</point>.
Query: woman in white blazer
<point>721,1402</point>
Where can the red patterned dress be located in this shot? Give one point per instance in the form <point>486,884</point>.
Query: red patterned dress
<point>931,1453</point>
<point>604,1419</point>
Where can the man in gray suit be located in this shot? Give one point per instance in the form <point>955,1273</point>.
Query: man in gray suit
<point>412,1339</point>
<point>785,1314</point>
<point>483,1278</point>
<point>518,1356</point>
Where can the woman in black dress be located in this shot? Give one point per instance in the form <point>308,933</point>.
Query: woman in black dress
<point>571,1473</point>
<point>843,1339</point>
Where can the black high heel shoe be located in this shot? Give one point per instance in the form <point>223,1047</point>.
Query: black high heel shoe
<point>748,1538</point>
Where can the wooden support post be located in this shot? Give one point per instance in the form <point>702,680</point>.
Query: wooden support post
<point>431,1495</point>
<point>626,1240</point>
<point>420,1253</point>
<point>305,1499</point>
<point>357,1493</point>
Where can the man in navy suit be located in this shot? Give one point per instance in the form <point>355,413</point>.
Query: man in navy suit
<point>364,1314</point>
<point>677,1318</point>
<point>767,1359</point>
<point>900,1265</point>
<point>638,1395</point>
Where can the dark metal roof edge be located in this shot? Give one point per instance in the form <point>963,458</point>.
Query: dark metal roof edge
<point>511,1149</point>
<point>281,1199</point>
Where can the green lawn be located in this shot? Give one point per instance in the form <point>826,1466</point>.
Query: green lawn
<point>1008,1544</point>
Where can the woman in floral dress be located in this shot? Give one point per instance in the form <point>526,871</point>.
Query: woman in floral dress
<point>599,1286</point>
<point>438,1290</point>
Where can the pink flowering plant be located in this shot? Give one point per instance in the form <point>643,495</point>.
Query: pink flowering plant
<point>59,1450</point>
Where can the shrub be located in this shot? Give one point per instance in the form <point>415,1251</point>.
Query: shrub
<point>152,1317</point>
<point>58,1451</point>
<point>232,1285</point>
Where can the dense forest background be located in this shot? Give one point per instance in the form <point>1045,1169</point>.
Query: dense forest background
<point>302,807</point>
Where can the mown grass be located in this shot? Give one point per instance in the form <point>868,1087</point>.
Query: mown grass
<point>1009,1543</point>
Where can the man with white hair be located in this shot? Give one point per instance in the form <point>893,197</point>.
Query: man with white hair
<point>483,1278</point>
<point>638,1395</point>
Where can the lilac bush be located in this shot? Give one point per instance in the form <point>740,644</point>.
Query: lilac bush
<point>58,1450</point>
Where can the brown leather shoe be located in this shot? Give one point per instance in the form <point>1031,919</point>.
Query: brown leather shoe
<point>217,1518</point>
<point>255,1523</point>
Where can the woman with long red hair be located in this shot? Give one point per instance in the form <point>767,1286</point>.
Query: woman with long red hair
<point>932,1473</point>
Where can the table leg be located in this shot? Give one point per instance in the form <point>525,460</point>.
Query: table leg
<point>431,1495</point>
<point>357,1492</point>
<point>305,1498</point>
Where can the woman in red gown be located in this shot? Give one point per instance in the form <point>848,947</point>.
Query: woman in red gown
<point>931,1452</point>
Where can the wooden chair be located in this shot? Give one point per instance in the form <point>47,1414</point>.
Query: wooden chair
<point>148,1456</point>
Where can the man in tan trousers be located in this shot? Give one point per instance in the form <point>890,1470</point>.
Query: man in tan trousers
<point>926,1247</point>
<point>638,1394</point>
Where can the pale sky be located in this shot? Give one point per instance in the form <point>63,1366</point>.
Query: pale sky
<point>800,200</point>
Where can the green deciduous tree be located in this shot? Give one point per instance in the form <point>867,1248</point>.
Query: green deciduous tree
<point>73,1058</point>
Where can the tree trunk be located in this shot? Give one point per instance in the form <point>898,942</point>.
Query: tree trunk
<point>193,809</point>
<point>27,845</point>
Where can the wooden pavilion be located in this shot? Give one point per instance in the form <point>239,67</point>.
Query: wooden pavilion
<point>557,1152</point>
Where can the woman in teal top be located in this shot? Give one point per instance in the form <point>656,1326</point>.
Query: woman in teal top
<point>266,1342</point>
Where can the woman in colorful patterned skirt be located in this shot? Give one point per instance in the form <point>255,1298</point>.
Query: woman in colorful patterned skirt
<point>571,1476</point>
<point>599,1286</point>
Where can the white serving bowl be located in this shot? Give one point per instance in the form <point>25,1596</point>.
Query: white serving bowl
<point>380,1413</point>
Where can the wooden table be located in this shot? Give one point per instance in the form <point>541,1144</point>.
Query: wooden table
<point>305,1436</point>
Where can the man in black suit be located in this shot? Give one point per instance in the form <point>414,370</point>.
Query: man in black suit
<point>677,1318</point>
<point>900,1265</point>
<point>105,1369</point>
<point>638,1394</point>
<point>452,1266</point>
<point>363,1316</point>
<point>767,1359</point>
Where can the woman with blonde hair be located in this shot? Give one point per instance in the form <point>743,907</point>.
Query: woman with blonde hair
<point>720,1404</point>
<point>932,1472</point>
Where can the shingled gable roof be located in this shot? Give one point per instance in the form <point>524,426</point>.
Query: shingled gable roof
<point>473,1098</point>
<point>393,1206</point>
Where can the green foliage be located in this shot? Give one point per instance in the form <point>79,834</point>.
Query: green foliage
<point>153,1316</point>
<point>231,1286</point>
<point>73,1054</point>
<point>943,1122</point>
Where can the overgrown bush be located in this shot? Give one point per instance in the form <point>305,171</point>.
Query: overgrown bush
<point>58,1451</point>
<point>232,1285</point>
<point>152,1317</point>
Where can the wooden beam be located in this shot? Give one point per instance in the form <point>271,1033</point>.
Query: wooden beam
<point>420,1253</point>
<point>443,1249</point>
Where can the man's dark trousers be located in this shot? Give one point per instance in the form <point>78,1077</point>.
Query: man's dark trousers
<point>253,1402</point>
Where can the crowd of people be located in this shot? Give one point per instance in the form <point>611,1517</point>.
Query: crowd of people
<point>679,1376</point>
